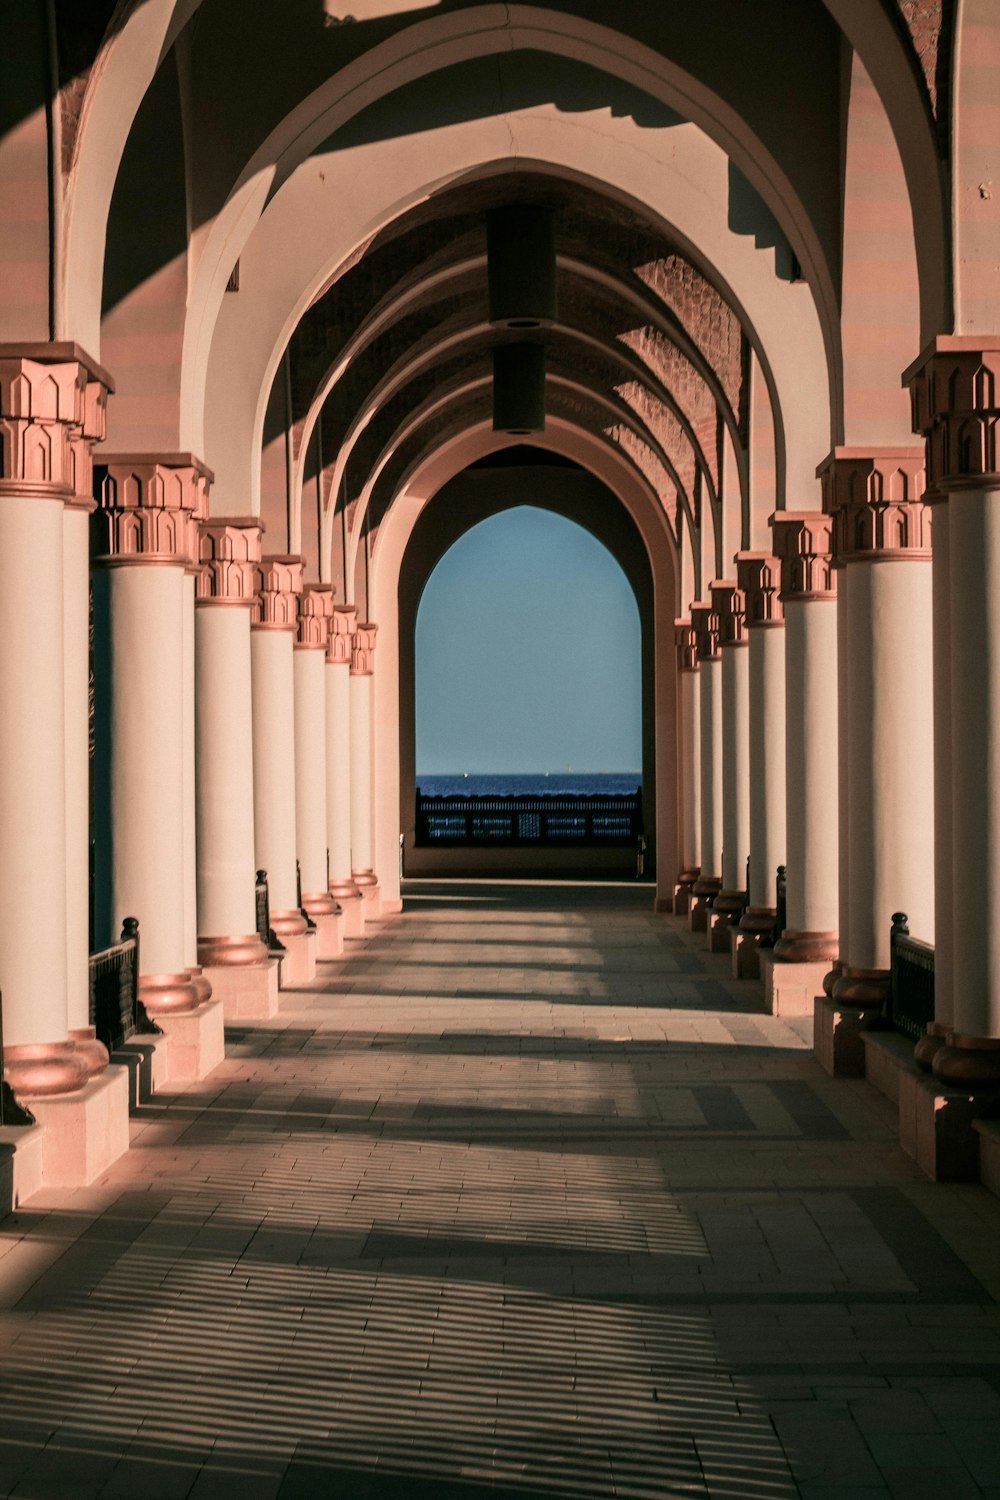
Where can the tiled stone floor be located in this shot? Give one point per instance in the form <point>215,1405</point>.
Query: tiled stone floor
<point>527,1199</point>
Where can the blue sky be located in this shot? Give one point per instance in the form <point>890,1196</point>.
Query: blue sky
<point>527,653</point>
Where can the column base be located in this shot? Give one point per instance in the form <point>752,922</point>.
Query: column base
<point>969,1063</point>
<point>93,1052</point>
<point>21,1154</point>
<point>806,948</point>
<point>196,1042</point>
<point>297,965</point>
<point>247,992</point>
<point>167,994</point>
<point>329,935</point>
<point>220,952</point>
<point>287,925</point>
<point>758,921</point>
<point>682,891</point>
<point>45,1069</point>
<point>202,985</point>
<point>866,988</point>
<point>82,1134</point>
<point>703,893</point>
<point>830,979</point>
<point>371,895</point>
<point>937,1127</point>
<point>145,1059</point>
<point>319,904</point>
<point>352,910</point>
<point>838,1036</point>
<point>928,1046</point>
<point>790,989</point>
<point>744,954</point>
<point>988,1132</point>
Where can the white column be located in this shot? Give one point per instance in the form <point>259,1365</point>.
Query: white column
<point>224,744</point>
<point>953,387</point>
<point>843,777</point>
<point>802,541</point>
<point>198,978</point>
<point>689,738</point>
<point>76,668</point>
<point>944,909</point>
<point>310,748</point>
<point>272,637</point>
<point>760,580</point>
<point>146,507</point>
<point>709,882</point>
<point>39,1056</point>
<point>362,666</point>
<point>338,768</point>
<point>729,604</point>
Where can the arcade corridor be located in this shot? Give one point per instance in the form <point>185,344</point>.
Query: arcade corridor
<point>525,1197</point>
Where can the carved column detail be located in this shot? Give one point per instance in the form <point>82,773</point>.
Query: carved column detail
<point>43,412</point>
<point>687,646</point>
<point>803,543</point>
<point>363,654</point>
<point>876,499</point>
<point>315,616</point>
<point>955,399</point>
<point>147,504</point>
<point>229,551</point>
<point>705,623</point>
<point>730,605</point>
<point>343,625</point>
<point>759,576</point>
<point>278,587</point>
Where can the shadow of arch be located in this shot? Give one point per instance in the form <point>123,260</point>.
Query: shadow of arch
<point>476,494</point>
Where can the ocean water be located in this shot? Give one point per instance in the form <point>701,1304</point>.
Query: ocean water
<point>579,783</point>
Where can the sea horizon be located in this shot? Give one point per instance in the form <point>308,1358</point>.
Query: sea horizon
<point>526,783</point>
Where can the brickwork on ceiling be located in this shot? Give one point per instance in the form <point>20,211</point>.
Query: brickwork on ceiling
<point>929,24</point>
<point>676,372</point>
<point>703,314</point>
<point>665,428</point>
<point>648,464</point>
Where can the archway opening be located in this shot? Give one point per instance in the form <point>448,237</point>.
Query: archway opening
<point>526,606</point>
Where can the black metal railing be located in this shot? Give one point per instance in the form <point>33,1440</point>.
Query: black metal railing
<point>265,931</point>
<point>116,1012</point>
<point>769,939</point>
<point>911,981</point>
<point>561,819</point>
<point>298,896</point>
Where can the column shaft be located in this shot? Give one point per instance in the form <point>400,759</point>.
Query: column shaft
<point>362,843</point>
<point>338,757</point>
<point>759,578</point>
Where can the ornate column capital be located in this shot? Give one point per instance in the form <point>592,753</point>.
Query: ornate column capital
<point>52,400</point>
<point>315,615</point>
<point>363,654</point>
<point>146,504</point>
<point>687,646</point>
<point>343,624</point>
<point>759,576</point>
<point>730,606</point>
<point>875,496</point>
<point>229,551</point>
<point>954,389</point>
<point>705,623</point>
<point>802,544</point>
<point>277,586</point>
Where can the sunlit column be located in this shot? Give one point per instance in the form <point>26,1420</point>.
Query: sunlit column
<point>808,594</point>
<point>76,678</point>
<point>689,745</point>
<point>362,667</point>
<point>274,623</point>
<point>41,408</point>
<point>954,387</point>
<point>944,850</point>
<point>706,625</point>
<point>759,577</point>
<point>882,544</point>
<point>315,614</point>
<point>227,920</point>
<point>729,605</point>
<point>338,767</point>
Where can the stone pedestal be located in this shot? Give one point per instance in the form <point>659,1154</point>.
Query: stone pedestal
<point>82,1134</point>
<point>298,962</point>
<point>838,1034</point>
<point>329,936</point>
<point>790,989</point>
<point>744,954</point>
<point>196,1042</point>
<point>248,992</point>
